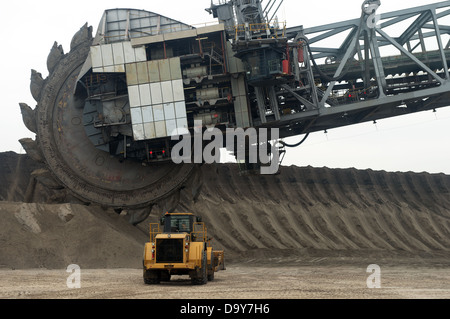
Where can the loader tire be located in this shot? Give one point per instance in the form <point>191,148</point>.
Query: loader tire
<point>211,268</point>
<point>152,277</point>
<point>202,278</point>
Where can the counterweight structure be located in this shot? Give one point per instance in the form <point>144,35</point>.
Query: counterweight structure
<point>109,109</point>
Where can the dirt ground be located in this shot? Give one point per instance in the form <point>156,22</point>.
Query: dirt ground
<point>318,278</point>
<point>308,233</point>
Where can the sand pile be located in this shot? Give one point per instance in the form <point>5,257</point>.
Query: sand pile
<point>328,212</point>
<point>302,212</point>
<point>55,236</point>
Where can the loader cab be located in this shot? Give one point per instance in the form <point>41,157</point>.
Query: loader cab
<point>179,223</point>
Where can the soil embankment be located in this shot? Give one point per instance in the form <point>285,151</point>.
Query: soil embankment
<point>315,212</point>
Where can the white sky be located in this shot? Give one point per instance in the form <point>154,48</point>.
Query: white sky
<point>28,29</point>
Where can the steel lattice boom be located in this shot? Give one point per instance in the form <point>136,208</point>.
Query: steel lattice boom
<point>357,84</point>
<point>111,111</point>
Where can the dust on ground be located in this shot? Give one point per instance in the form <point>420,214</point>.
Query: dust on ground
<point>313,279</point>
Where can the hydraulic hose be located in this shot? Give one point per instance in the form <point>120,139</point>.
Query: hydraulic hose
<point>295,145</point>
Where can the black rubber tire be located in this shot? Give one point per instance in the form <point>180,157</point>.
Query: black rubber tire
<point>211,268</point>
<point>202,279</point>
<point>152,277</point>
<point>165,276</point>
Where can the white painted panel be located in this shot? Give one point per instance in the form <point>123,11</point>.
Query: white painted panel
<point>133,96</point>
<point>153,71</point>
<point>160,128</point>
<point>118,55</point>
<point>158,113</point>
<point>119,68</point>
<point>164,70</point>
<point>182,126</point>
<point>147,114</point>
<point>175,68</point>
<point>156,93</point>
<point>107,55</point>
<point>138,132</point>
<point>144,92</point>
<point>141,55</point>
<point>98,70</point>
<point>180,109</point>
<point>96,57</point>
<point>109,69</point>
<point>167,92</point>
<point>169,111</point>
<point>136,115</point>
<point>178,90</point>
<point>121,16</point>
<point>142,72</point>
<point>171,127</point>
<point>132,78</point>
<point>128,52</point>
<point>149,130</point>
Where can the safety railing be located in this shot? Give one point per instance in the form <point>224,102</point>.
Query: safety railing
<point>260,30</point>
<point>154,231</point>
<point>199,232</point>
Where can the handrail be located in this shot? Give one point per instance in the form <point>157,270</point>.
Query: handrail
<point>254,28</point>
<point>199,234</point>
<point>154,231</point>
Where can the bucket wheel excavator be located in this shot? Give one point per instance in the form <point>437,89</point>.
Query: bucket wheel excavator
<point>107,113</point>
<point>71,156</point>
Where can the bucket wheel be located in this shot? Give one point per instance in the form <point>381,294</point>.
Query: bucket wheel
<point>72,161</point>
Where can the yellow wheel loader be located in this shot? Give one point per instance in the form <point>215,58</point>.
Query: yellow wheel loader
<point>179,246</point>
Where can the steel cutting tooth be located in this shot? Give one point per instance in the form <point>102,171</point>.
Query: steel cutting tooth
<point>56,53</point>
<point>32,149</point>
<point>46,178</point>
<point>137,216</point>
<point>83,35</point>
<point>36,85</point>
<point>29,117</point>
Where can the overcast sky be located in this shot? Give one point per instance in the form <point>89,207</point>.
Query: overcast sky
<point>28,29</point>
